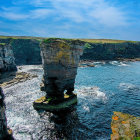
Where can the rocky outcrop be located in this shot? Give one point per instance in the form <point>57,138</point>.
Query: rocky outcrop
<point>60,60</point>
<point>5,132</point>
<point>111,51</point>
<point>27,51</point>
<point>12,78</point>
<point>125,126</point>
<point>7,60</point>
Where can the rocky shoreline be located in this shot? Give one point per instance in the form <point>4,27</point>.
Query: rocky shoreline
<point>92,63</point>
<point>11,78</point>
<point>60,60</point>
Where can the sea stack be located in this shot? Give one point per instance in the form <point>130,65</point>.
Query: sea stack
<point>60,60</point>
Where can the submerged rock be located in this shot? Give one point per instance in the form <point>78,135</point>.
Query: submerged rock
<point>60,61</point>
<point>7,60</point>
<point>125,126</point>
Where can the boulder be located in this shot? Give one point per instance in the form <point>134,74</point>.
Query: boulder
<point>125,127</point>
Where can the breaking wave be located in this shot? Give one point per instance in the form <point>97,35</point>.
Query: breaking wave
<point>92,92</point>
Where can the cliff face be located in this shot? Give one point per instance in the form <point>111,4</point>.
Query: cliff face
<point>3,120</point>
<point>27,51</point>
<point>111,51</point>
<point>7,60</point>
<point>60,61</point>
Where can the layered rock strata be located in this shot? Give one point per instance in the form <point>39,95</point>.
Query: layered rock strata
<point>7,60</point>
<point>60,60</point>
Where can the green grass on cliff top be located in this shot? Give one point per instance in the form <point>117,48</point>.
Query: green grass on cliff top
<point>2,43</point>
<point>101,41</point>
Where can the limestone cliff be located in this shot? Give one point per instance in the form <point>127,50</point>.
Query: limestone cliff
<point>27,51</point>
<point>60,60</point>
<point>7,60</point>
<point>111,51</point>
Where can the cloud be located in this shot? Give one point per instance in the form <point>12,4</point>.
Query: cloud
<point>109,16</point>
<point>13,16</point>
<point>89,11</point>
<point>12,13</point>
<point>70,18</point>
<point>40,13</point>
<point>98,11</point>
<point>16,14</point>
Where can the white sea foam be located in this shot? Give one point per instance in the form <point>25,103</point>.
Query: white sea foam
<point>86,108</point>
<point>114,62</point>
<point>117,63</point>
<point>100,63</point>
<point>26,68</point>
<point>128,86</point>
<point>123,64</point>
<point>93,92</point>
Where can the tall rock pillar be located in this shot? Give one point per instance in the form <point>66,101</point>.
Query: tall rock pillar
<point>60,60</point>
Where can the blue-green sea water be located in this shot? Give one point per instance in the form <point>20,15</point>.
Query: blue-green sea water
<point>107,87</point>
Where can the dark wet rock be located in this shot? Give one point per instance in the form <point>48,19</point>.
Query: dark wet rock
<point>54,105</point>
<point>7,60</point>
<point>5,132</point>
<point>125,126</point>
<point>60,61</point>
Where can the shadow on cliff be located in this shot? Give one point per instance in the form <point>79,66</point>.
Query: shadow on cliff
<point>7,76</point>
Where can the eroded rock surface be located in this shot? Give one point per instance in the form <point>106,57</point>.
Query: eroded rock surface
<point>125,127</point>
<point>7,60</point>
<point>11,78</point>
<point>60,60</point>
<point>5,133</point>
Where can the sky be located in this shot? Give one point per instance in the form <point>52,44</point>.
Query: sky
<point>95,19</point>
